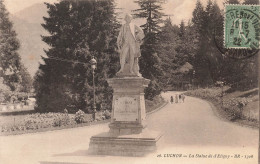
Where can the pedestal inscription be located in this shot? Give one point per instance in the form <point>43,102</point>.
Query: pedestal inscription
<point>126,109</point>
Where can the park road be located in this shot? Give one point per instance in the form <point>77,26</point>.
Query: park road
<point>190,129</point>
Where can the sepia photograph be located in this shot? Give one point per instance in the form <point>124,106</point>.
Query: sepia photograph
<point>129,81</point>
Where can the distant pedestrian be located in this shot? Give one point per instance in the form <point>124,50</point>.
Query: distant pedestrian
<point>183,97</point>
<point>176,98</point>
<point>172,101</point>
<point>180,98</point>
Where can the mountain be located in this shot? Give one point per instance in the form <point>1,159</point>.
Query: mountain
<point>27,24</point>
<point>33,14</point>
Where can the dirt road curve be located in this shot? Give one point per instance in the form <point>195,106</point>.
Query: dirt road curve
<point>190,129</point>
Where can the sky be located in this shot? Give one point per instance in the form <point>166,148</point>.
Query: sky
<point>177,9</point>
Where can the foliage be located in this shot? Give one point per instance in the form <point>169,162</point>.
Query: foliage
<point>49,120</point>
<point>61,120</point>
<point>39,121</point>
<point>11,69</point>
<point>151,105</point>
<point>150,63</point>
<point>79,117</point>
<point>106,114</point>
<point>79,30</point>
<point>168,45</point>
<point>26,80</point>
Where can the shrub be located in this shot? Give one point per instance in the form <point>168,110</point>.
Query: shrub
<point>106,114</point>
<point>61,120</point>
<point>79,117</point>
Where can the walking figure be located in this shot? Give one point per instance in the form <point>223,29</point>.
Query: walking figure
<point>176,98</point>
<point>180,98</point>
<point>172,100</point>
<point>183,97</point>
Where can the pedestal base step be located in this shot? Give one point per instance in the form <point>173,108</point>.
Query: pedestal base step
<point>124,145</point>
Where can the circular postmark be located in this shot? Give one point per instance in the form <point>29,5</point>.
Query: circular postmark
<point>241,31</point>
<point>242,26</point>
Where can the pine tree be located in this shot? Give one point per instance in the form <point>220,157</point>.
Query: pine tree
<point>197,18</point>
<point>10,61</point>
<point>214,26</point>
<point>150,63</point>
<point>79,30</point>
<point>183,46</point>
<point>26,80</point>
<point>168,41</point>
<point>151,11</point>
<point>182,29</point>
<point>200,60</point>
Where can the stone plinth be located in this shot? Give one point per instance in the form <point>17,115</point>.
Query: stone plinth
<point>124,145</point>
<point>128,135</point>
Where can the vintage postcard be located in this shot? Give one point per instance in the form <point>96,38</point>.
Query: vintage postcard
<point>129,81</point>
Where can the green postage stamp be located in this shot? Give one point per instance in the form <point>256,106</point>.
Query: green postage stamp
<point>241,26</point>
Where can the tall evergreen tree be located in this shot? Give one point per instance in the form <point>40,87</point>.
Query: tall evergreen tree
<point>200,60</point>
<point>26,81</point>
<point>168,41</point>
<point>10,61</point>
<point>150,63</point>
<point>13,72</point>
<point>182,29</point>
<point>208,25</point>
<point>197,18</point>
<point>214,28</point>
<point>183,46</point>
<point>79,30</point>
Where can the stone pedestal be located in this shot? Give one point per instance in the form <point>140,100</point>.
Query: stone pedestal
<point>128,135</point>
<point>128,114</point>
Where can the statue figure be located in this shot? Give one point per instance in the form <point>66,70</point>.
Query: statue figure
<point>129,40</point>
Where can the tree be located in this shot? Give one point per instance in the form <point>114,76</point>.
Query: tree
<point>197,18</point>
<point>183,47</point>
<point>207,25</point>
<point>26,80</point>
<point>201,62</point>
<point>168,42</point>
<point>79,30</point>
<point>150,63</point>
<point>10,61</point>
<point>182,30</point>
<point>214,28</point>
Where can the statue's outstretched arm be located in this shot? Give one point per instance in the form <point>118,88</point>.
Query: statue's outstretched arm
<point>139,34</point>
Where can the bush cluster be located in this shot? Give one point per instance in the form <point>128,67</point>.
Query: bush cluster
<point>49,120</point>
<point>79,117</point>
